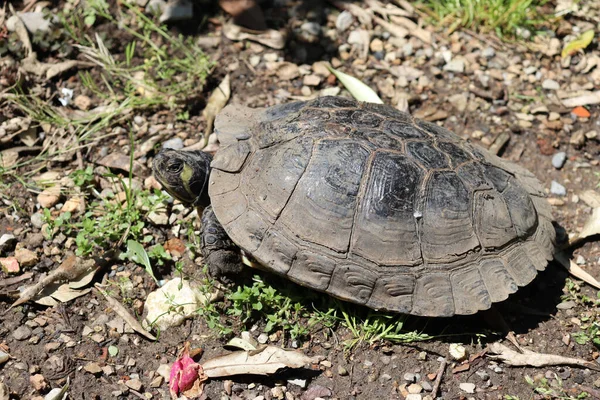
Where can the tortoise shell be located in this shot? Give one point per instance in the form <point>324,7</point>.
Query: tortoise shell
<point>373,206</point>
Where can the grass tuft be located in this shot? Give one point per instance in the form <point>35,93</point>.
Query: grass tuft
<point>506,18</point>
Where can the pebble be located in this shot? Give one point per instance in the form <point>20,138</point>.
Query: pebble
<point>158,217</point>
<point>385,377</point>
<point>312,28</point>
<point>344,21</point>
<point>9,265</point>
<point>467,387</point>
<point>158,307</point>
<point>254,60</point>
<point>457,351</point>
<point>22,333</point>
<point>4,357</point>
<point>82,102</point>
<point>38,382</point>
<point>49,196</point>
<point>459,101</point>
<point>342,371</point>
<point>26,258</point>
<point>288,71</point>
<point>311,80</point>
<point>557,189</point>
<point>134,384</point>
<point>414,388</point>
<point>456,65</point>
<point>410,377</point>
<point>550,84</point>
<point>298,382</point>
<point>263,338</point>
<point>566,305</point>
<point>559,159</point>
<point>422,356</point>
<point>488,52</point>
<point>580,260</point>
<point>376,45</point>
<point>6,242</point>
<point>321,68</point>
<point>37,220</point>
<point>73,205</point>
<point>482,374</point>
<point>426,386</point>
<point>175,143</point>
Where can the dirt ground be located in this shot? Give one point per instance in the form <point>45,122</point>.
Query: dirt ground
<point>500,95</point>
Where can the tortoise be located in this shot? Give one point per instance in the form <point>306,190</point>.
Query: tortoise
<point>365,203</point>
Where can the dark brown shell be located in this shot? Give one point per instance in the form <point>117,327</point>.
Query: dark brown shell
<point>372,206</point>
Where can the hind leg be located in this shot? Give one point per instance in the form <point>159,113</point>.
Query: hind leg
<point>221,255</point>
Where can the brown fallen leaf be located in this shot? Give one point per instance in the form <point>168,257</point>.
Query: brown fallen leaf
<point>263,361</point>
<point>270,38</point>
<point>591,198</point>
<point>217,100</point>
<point>124,313</point>
<point>54,294</point>
<point>72,268</point>
<point>590,228</point>
<point>532,359</point>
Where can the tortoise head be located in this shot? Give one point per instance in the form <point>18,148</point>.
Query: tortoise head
<point>184,174</point>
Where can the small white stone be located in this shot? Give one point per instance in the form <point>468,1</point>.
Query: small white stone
<point>467,387</point>
<point>457,351</point>
<point>550,84</point>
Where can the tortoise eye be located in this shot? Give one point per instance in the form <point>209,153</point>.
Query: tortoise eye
<point>175,166</point>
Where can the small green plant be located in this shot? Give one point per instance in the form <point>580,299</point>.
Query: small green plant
<point>376,326</point>
<point>507,18</point>
<point>262,301</point>
<point>552,388</point>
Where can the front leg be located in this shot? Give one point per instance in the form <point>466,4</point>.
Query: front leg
<point>220,254</point>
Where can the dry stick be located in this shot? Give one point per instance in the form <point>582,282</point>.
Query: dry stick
<point>438,378</point>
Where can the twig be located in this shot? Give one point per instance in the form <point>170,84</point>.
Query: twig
<point>438,377</point>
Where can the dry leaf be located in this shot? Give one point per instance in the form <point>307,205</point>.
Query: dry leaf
<point>123,313</point>
<point>591,198</point>
<point>532,359</point>
<point>413,28</point>
<point>357,11</point>
<point>397,31</point>
<point>217,100</point>
<point>8,158</point>
<point>576,270</point>
<point>270,38</point>
<point>263,361</point>
<point>590,228</point>
<point>72,268</point>
<point>55,293</point>
<point>578,44</point>
<point>357,89</point>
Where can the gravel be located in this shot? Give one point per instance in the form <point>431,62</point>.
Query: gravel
<point>550,84</point>
<point>559,159</point>
<point>557,189</point>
